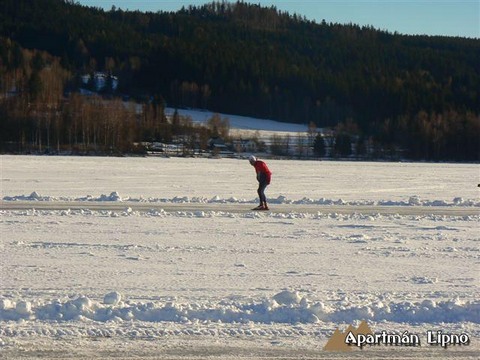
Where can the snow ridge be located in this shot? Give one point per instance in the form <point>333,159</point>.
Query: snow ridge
<point>161,213</point>
<point>285,307</point>
<point>115,197</point>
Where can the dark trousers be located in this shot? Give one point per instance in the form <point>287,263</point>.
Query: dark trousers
<point>262,185</point>
<point>261,192</point>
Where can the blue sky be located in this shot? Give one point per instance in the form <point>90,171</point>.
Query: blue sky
<point>430,17</point>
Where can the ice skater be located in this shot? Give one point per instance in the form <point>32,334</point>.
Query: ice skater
<point>264,175</point>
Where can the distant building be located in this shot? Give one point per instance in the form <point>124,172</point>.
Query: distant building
<point>241,145</point>
<point>217,146</point>
<point>100,81</point>
<point>158,147</point>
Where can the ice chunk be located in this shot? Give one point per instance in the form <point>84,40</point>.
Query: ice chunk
<point>112,298</point>
<point>6,304</point>
<point>414,200</point>
<point>35,196</point>
<point>24,307</point>
<point>287,297</point>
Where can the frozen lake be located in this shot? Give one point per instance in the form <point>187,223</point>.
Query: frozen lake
<point>225,178</point>
<point>155,257</point>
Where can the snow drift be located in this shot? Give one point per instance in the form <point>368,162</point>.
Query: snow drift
<point>115,196</point>
<point>285,307</point>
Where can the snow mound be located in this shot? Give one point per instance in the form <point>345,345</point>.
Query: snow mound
<point>115,196</point>
<point>287,298</point>
<point>162,213</point>
<point>284,307</point>
<point>23,308</point>
<point>112,298</point>
<point>6,304</point>
<point>34,196</point>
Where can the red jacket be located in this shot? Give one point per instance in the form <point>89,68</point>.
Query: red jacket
<point>262,168</point>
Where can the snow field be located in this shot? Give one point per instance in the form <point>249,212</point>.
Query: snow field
<point>243,279</point>
<point>207,179</point>
<point>209,253</point>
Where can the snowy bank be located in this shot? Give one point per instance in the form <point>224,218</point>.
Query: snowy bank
<point>285,307</point>
<point>115,197</point>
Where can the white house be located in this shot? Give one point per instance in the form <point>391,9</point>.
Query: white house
<point>100,80</point>
<point>241,145</point>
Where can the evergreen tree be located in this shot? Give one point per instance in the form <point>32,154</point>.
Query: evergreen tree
<point>343,145</point>
<point>319,146</point>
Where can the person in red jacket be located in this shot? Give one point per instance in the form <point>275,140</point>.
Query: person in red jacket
<point>264,176</point>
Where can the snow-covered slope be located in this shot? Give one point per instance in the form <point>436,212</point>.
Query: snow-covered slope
<point>238,122</point>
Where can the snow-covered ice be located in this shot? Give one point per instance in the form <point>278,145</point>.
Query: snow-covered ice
<point>88,178</point>
<point>166,280</point>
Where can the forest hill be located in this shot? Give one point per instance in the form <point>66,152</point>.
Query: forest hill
<point>40,117</point>
<point>414,97</point>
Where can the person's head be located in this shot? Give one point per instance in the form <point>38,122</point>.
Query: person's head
<point>252,159</point>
